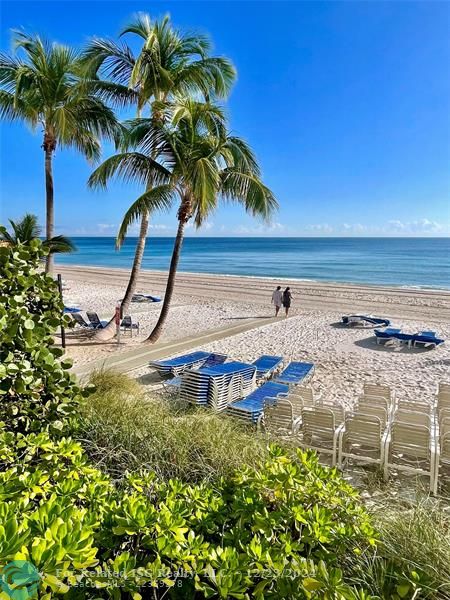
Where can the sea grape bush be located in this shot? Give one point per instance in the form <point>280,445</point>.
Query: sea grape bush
<point>36,390</point>
<point>278,532</point>
<point>244,538</point>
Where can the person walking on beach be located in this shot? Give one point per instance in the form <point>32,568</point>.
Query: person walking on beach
<point>277,299</point>
<point>287,299</point>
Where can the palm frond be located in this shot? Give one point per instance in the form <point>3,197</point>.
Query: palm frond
<point>250,191</point>
<point>158,198</point>
<point>132,167</point>
<point>60,244</point>
<point>110,60</point>
<point>141,25</point>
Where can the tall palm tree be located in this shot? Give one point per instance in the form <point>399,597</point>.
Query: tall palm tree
<point>169,63</point>
<point>27,229</point>
<point>41,85</point>
<point>205,163</point>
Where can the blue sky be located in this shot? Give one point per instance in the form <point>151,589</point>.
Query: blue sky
<point>346,104</point>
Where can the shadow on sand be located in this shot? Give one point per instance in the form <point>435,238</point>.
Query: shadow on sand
<point>371,344</point>
<point>149,378</point>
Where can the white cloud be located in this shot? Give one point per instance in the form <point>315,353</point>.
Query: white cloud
<point>159,226</point>
<point>272,228</point>
<point>320,228</point>
<point>420,226</point>
<point>104,228</point>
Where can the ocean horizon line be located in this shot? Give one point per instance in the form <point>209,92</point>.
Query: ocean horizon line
<point>418,262</point>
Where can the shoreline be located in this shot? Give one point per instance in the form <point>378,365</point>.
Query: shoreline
<point>394,303</point>
<point>295,280</point>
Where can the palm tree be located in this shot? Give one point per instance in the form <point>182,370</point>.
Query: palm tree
<point>170,63</point>
<point>45,88</point>
<point>27,229</point>
<point>205,164</point>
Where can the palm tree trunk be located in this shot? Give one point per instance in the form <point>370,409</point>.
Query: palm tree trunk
<point>157,330</point>
<point>109,331</point>
<point>50,218</point>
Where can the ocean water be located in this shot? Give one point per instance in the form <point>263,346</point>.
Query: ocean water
<point>410,262</point>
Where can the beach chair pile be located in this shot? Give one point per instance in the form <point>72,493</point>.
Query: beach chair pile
<point>173,367</point>
<point>398,435</point>
<point>217,386</point>
<point>443,427</point>
<point>421,338</point>
<point>250,408</point>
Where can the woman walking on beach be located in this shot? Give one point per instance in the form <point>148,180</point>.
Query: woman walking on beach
<point>287,299</point>
<point>277,299</point>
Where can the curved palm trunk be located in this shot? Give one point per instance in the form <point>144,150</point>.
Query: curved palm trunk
<point>50,218</point>
<point>157,330</point>
<point>110,330</point>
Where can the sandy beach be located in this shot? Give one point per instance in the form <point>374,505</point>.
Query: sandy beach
<point>344,357</point>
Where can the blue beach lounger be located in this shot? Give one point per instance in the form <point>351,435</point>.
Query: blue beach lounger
<point>251,407</point>
<point>388,334</point>
<point>295,373</point>
<point>175,366</point>
<point>266,365</point>
<point>425,338</point>
<point>351,319</point>
<point>212,361</point>
<point>145,298</point>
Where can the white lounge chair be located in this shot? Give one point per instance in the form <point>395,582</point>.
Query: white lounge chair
<point>320,431</point>
<point>443,387</point>
<point>443,456</point>
<point>362,438</point>
<point>412,448</point>
<point>278,417</point>
<point>378,389</point>
<point>379,401</point>
<point>301,397</point>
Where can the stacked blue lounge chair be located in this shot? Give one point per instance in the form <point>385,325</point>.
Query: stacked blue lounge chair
<point>211,361</point>
<point>250,408</point>
<point>348,320</point>
<point>217,386</point>
<point>296,373</point>
<point>266,365</point>
<point>175,366</point>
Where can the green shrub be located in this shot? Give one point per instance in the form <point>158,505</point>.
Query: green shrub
<point>272,533</point>
<point>125,430</point>
<point>36,390</point>
<point>413,554</point>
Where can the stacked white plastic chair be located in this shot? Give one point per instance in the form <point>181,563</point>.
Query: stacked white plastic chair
<point>320,429</point>
<point>412,443</point>
<point>278,418</point>
<point>443,427</point>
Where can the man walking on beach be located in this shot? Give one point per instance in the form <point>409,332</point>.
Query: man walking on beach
<point>277,299</point>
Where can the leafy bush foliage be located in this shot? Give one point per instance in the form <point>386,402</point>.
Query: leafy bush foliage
<point>36,390</point>
<point>276,533</point>
<point>280,527</point>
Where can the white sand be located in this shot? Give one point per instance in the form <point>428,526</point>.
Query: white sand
<point>344,357</point>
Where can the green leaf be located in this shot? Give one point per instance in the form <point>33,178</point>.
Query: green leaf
<point>29,324</point>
